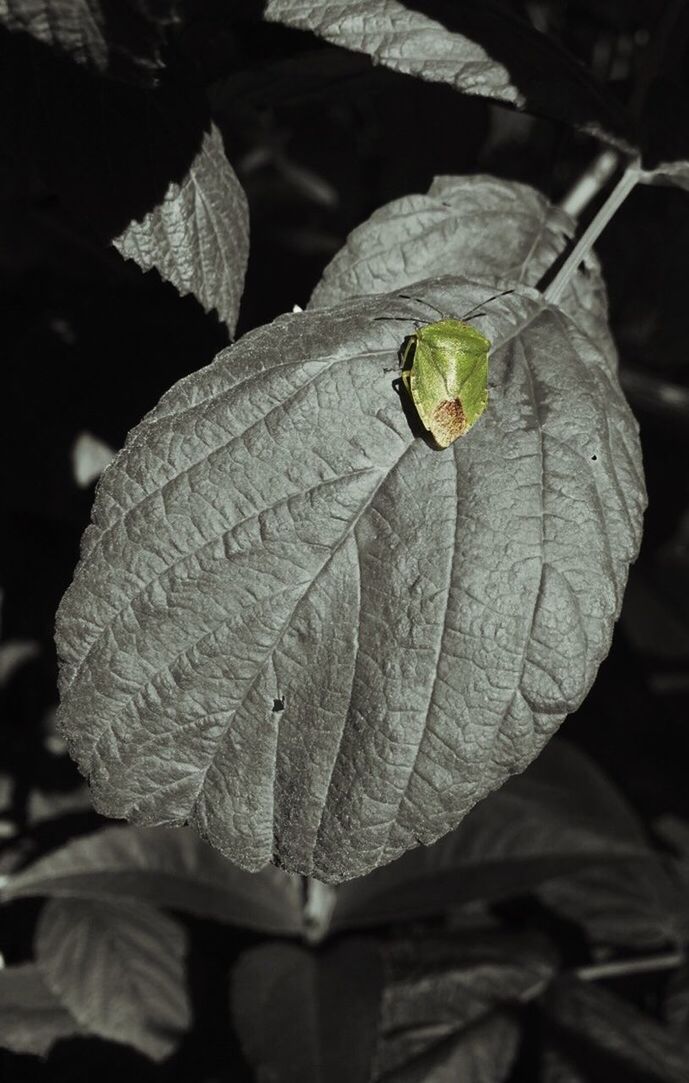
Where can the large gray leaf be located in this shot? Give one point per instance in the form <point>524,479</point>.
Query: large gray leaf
<point>119,969</point>
<point>171,868</point>
<point>32,1018</point>
<point>305,1015</point>
<point>494,230</point>
<point>197,237</point>
<point>443,1013</point>
<point>126,40</point>
<point>475,47</point>
<point>274,529</point>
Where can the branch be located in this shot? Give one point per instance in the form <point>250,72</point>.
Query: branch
<point>631,176</point>
<point>589,184</point>
<point>619,968</point>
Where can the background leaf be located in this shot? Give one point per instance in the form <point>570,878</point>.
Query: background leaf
<point>98,160</point>
<point>32,1017</point>
<point>88,155</point>
<point>668,173</point>
<point>236,555</point>
<point>462,222</point>
<point>90,456</point>
<point>675,832</point>
<point>198,235</point>
<point>676,1005</point>
<point>665,112</point>
<point>439,1052</point>
<point>604,1034</point>
<point>619,903</point>
<point>170,868</point>
<point>308,1015</point>
<point>124,40</point>
<point>119,969</point>
<point>444,1011</point>
<point>559,815</point>
<point>478,48</point>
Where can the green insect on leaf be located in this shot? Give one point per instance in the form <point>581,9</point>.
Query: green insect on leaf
<point>445,371</point>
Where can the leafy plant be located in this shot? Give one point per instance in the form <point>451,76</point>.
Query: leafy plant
<point>325,994</point>
<point>304,649</point>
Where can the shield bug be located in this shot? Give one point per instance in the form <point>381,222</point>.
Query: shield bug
<point>445,372</point>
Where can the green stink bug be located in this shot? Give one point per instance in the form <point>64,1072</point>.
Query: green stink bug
<point>445,372</point>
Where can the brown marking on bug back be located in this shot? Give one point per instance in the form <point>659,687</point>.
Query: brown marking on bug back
<point>448,421</point>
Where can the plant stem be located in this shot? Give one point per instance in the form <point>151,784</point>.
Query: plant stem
<point>627,181</point>
<point>589,184</point>
<point>621,967</point>
<point>318,902</point>
<point>618,968</point>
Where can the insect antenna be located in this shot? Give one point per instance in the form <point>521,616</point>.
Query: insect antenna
<point>473,314</point>
<point>420,300</point>
<point>404,319</point>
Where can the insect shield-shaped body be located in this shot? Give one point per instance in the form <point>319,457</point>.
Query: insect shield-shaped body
<point>445,372</point>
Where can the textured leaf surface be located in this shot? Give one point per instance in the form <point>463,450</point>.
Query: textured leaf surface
<point>32,1018</point>
<point>274,529</point>
<point>493,229</point>
<point>171,868</point>
<point>118,968</point>
<point>602,1031</point>
<point>560,815</point>
<point>443,1014</point>
<point>198,236</point>
<point>478,48</point>
<point>126,40</point>
<point>304,1015</point>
